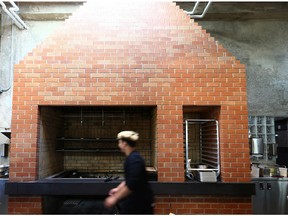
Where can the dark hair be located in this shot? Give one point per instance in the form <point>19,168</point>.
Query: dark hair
<point>129,142</point>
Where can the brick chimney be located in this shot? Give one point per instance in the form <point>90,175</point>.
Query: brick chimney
<point>140,53</point>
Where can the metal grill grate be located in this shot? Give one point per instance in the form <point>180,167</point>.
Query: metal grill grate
<point>72,202</point>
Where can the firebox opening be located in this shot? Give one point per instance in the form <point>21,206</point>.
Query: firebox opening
<point>83,138</point>
<point>201,141</point>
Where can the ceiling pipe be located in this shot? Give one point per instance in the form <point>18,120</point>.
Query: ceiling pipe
<point>194,8</point>
<point>192,13</point>
<point>11,13</point>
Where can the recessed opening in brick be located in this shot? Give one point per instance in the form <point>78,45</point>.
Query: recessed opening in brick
<point>83,138</point>
<point>202,137</point>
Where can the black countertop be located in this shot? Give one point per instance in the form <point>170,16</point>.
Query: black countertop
<point>99,187</point>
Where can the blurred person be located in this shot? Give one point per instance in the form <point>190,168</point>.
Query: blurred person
<point>134,195</point>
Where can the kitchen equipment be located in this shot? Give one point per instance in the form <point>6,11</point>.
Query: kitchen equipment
<point>4,168</point>
<point>206,176</point>
<point>152,174</point>
<point>271,196</point>
<point>188,165</point>
<point>190,176</point>
<point>272,149</point>
<point>283,171</point>
<point>276,172</point>
<point>4,150</point>
<point>202,166</point>
<point>273,171</point>
<point>207,131</point>
<point>106,177</point>
<point>266,172</point>
<point>4,171</point>
<point>75,174</point>
<point>256,146</point>
<point>255,171</point>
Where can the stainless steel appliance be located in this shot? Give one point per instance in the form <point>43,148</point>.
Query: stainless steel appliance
<point>272,149</point>
<point>256,146</point>
<point>271,196</point>
<point>206,176</point>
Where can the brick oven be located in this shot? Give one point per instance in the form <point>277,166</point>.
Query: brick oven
<point>144,66</point>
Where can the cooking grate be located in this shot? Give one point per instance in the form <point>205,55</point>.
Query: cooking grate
<point>72,202</point>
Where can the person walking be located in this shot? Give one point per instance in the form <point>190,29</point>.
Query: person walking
<point>134,195</point>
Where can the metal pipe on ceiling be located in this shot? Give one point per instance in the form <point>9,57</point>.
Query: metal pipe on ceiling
<point>194,8</point>
<point>192,13</point>
<point>13,11</point>
<point>12,14</point>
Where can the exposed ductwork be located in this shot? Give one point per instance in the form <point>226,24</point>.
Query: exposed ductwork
<point>192,13</point>
<point>11,12</point>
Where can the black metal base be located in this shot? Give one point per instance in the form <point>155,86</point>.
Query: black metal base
<point>101,188</point>
<point>76,205</point>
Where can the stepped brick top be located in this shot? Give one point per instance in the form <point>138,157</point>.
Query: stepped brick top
<point>140,53</point>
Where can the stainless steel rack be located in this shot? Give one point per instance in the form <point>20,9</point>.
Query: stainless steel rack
<point>209,153</point>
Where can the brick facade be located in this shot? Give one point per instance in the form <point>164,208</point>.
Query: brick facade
<point>150,53</point>
<point>202,205</point>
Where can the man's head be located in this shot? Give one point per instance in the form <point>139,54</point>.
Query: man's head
<point>127,139</point>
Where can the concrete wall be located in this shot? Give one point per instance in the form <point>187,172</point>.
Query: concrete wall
<point>15,44</point>
<point>263,47</point>
<point>6,72</point>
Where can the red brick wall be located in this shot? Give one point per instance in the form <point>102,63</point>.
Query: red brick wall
<point>25,205</point>
<point>202,205</point>
<point>149,53</point>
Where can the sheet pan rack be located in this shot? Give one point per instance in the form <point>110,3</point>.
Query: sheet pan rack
<point>209,153</point>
